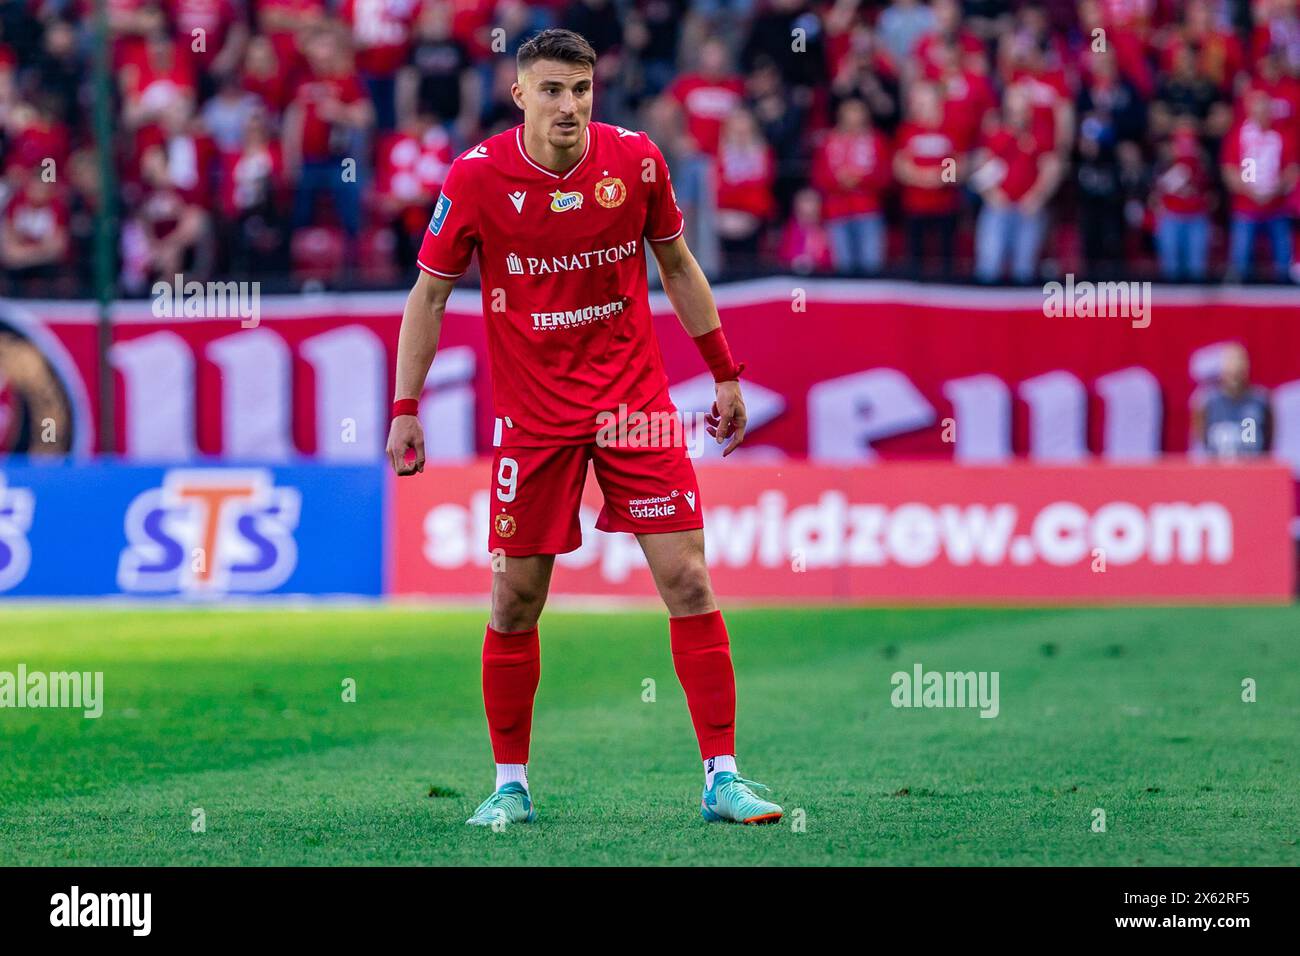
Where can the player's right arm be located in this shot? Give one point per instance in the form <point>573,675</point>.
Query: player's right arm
<point>445,254</point>
<point>417,342</point>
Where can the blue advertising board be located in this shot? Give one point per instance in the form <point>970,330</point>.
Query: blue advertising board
<point>70,530</point>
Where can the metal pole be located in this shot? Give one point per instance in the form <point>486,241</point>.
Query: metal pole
<point>105,221</point>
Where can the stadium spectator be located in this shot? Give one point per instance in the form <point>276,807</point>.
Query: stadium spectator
<point>851,167</point>
<point>1216,51</point>
<point>411,166</point>
<point>251,211</point>
<point>1101,198</point>
<point>948,33</point>
<point>902,24</point>
<point>1015,173</point>
<point>968,95</point>
<point>1260,169</point>
<point>324,126</point>
<point>805,244</point>
<point>381,36</point>
<point>928,165</point>
<point>788,34</point>
<point>865,71</point>
<point>708,96</point>
<point>267,75</point>
<point>1111,100</point>
<point>1231,418</point>
<point>437,80</point>
<point>226,115</point>
<point>746,171</point>
<point>1181,200</point>
<point>34,237</point>
<point>1186,93</point>
<point>169,233</point>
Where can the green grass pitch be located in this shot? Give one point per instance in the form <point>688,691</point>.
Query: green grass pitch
<point>1134,711</point>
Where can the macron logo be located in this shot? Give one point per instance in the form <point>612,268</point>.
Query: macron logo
<point>517,198</point>
<point>690,498</point>
<point>478,152</point>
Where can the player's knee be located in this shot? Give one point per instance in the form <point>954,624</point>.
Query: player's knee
<point>517,606</point>
<point>689,591</point>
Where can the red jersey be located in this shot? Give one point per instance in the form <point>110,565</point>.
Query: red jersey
<point>1020,154</point>
<point>865,156</point>
<point>707,103</point>
<point>381,32</point>
<point>1183,186</point>
<point>213,17</point>
<point>36,219</point>
<point>319,140</point>
<point>745,177</point>
<point>563,274</point>
<point>1272,153</point>
<point>928,148</point>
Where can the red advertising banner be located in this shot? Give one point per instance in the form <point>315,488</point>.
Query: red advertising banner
<point>904,533</point>
<point>837,371</point>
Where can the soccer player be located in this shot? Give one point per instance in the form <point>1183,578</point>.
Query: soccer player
<point>557,209</point>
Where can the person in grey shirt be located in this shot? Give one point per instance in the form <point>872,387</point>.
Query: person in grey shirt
<point>1232,418</point>
<point>901,25</point>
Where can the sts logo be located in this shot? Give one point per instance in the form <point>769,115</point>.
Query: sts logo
<point>210,532</point>
<point>16,508</point>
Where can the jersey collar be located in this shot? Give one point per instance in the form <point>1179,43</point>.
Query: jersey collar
<point>519,141</point>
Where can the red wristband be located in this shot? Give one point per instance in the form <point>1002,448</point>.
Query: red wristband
<point>405,406</point>
<point>717,355</point>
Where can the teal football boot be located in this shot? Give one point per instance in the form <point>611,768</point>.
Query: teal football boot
<point>731,798</point>
<point>510,804</point>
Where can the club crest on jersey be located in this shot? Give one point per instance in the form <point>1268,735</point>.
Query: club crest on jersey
<point>610,192</point>
<point>505,525</point>
<point>439,214</point>
<point>563,202</point>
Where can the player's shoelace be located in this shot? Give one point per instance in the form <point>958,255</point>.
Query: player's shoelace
<point>740,794</point>
<point>499,802</point>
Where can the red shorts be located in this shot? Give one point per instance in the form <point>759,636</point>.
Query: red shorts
<point>536,494</point>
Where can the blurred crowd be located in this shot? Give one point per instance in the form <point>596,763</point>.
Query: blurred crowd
<point>990,140</point>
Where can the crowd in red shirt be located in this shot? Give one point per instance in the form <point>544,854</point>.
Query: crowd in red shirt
<point>308,139</point>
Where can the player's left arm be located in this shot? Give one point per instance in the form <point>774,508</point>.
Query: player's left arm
<point>688,290</point>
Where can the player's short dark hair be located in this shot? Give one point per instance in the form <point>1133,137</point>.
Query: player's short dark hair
<point>556,44</point>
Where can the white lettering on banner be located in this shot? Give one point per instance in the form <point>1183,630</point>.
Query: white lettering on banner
<point>1058,415</point>
<point>1133,415</point>
<point>845,415</point>
<point>834,532</point>
<point>447,415</point>
<point>255,396</point>
<point>981,407</point>
<point>351,370</point>
<point>158,384</point>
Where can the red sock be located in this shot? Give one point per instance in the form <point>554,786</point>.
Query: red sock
<point>702,659</point>
<point>512,665</point>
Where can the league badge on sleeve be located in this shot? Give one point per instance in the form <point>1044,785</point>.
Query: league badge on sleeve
<point>439,214</point>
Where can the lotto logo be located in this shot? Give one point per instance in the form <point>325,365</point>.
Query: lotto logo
<point>210,532</point>
<point>16,508</point>
<point>563,202</point>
